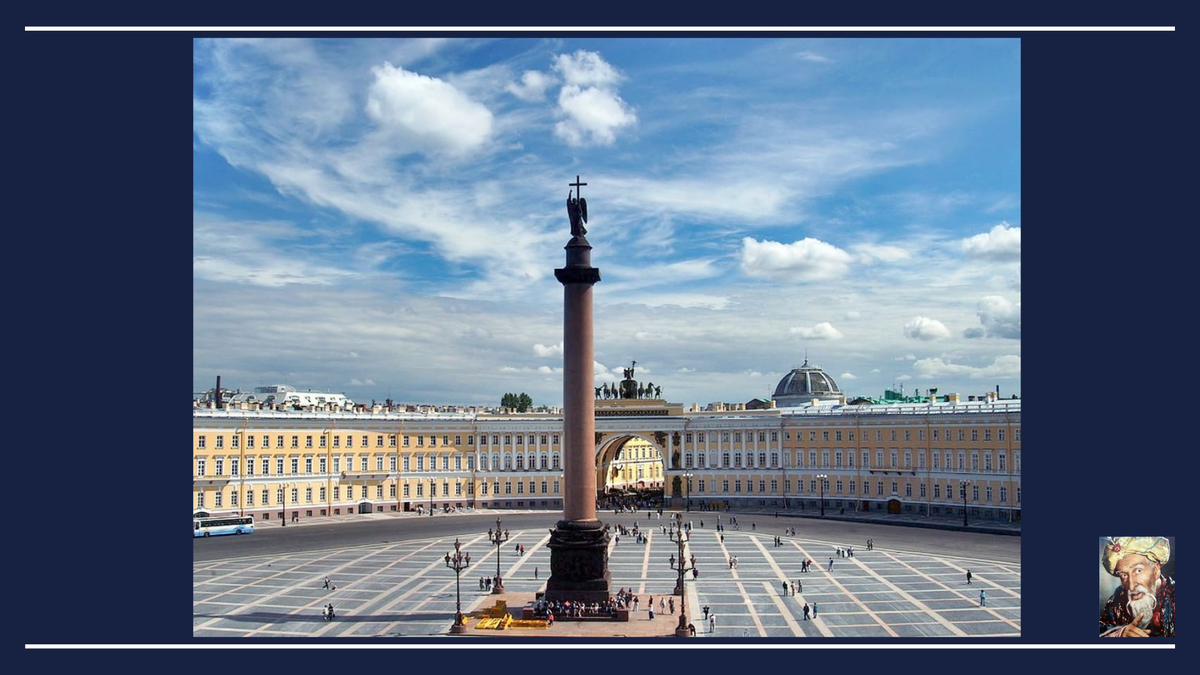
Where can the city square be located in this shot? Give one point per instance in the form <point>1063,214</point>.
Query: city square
<point>913,584</point>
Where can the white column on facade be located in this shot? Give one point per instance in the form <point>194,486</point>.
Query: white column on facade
<point>670,451</point>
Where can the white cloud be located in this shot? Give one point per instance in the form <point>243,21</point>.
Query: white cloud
<point>875,371</point>
<point>870,253</point>
<point>645,336</point>
<point>852,314</point>
<point>812,56</point>
<point>821,331</point>
<point>532,86</point>
<point>1001,243</point>
<point>591,109</point>
<point>924,328</point>
<point>584,69</point>
<point>805,260</point>
<point>847,376</point>
<point>253,252</point>
<point>1000,318</point>
<point>362,383</point>
<point>592,116</point>
<point>547,370</point>
<point>548,351</point>
<point>1002,367</point>
<point>426,113</point>
<point>686,370</point>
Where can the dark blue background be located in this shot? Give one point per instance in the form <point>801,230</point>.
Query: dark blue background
<point>100,280</point>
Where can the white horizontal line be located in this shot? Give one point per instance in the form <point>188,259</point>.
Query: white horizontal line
<point>606,29</point>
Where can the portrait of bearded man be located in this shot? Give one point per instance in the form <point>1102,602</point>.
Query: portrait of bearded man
<point>1143,604</point>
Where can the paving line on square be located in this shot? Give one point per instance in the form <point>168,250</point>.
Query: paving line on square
<point>956,591</point>
<point>264,600</point>
<point>343,629</point>
<point>379,600</point>
<point>792,624</point>
<point>821,626</point>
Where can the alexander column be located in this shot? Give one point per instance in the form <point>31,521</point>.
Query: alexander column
<point>578,544</point>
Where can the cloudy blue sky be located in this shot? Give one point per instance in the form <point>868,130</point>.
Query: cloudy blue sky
<point>382,217</point>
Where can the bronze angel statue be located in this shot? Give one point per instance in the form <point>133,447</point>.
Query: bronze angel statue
<point>577,212</point>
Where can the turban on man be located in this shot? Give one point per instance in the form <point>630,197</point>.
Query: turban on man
<point>1157,549</point>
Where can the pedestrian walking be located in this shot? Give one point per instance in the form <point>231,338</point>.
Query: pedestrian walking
<point>635,603</point>
<point>831,564</point>
<point>706,610</point>
<point>671,604</point>
<point>814,610</point>
<point>968,577</point>
<point>535,573</point>
<point>793,589</point>
<point>785,588</point>
<point>712,623</point>
<point>662,605</point>
<point>651,611</point>
<point>806,610</point>
<point>327,581</point>
<point>983,598</point>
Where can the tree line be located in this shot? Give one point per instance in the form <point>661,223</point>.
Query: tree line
<point>522,402</point>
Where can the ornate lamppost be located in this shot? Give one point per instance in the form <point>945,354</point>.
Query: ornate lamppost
<point>821,478</point>
<point>680,537</point>
<point>687,486</point>
<point>283,503</point>
<point>458,562</point>
<point>497,537</point>
<point>964,484</point>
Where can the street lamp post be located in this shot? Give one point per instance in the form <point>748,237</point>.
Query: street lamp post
<point>964,484</point>
<point>498,537</point>
<point>821,478</point>
<point>687,486</point>
<point>283,503</point>
<point>458,562</point>
<point>680,538</point>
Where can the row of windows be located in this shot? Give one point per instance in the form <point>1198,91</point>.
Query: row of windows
<point>849,435</point>
<point>292,495</point>
<point>545,439</point>
<point>293,464</point>
<point>235,440</point>
<point>700,487</point>
<point>938,460</point>
<point>543,463</point>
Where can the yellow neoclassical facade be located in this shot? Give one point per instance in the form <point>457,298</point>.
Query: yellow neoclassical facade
<point>916,458</point>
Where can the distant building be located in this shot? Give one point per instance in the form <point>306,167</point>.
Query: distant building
<point>804,385</point>
<point>894,456</point>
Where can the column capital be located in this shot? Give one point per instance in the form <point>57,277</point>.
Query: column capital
<point>577,275</point>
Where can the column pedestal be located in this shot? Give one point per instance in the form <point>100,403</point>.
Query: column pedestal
<point>579,562</point>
